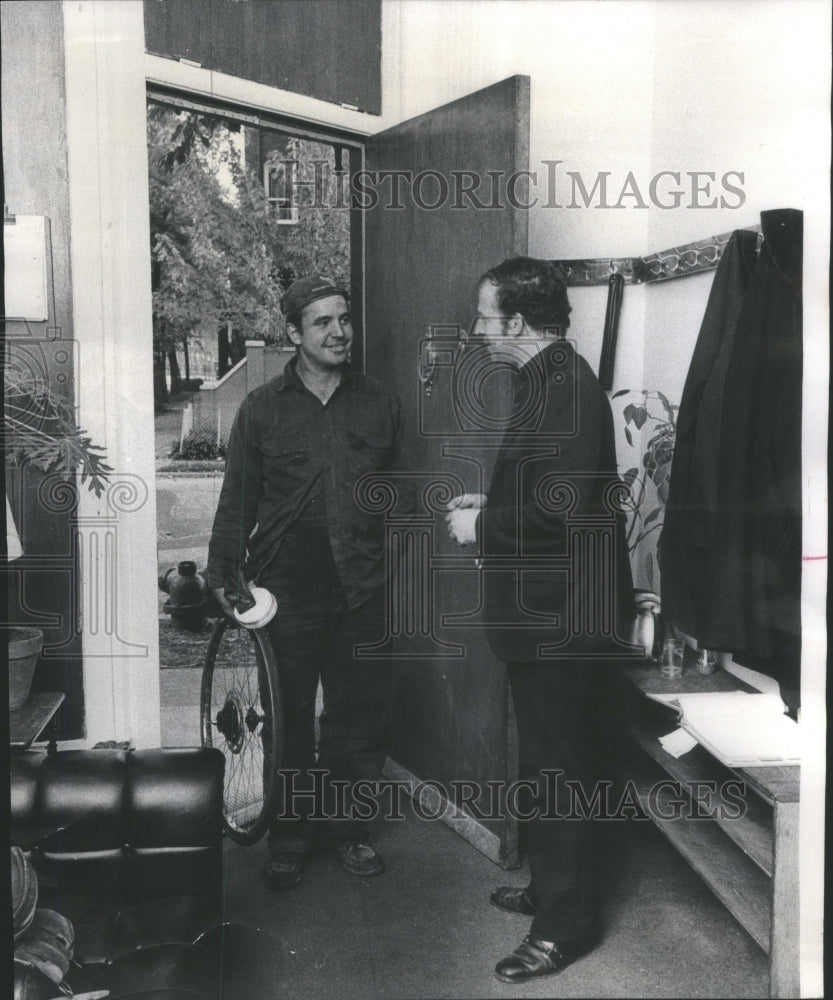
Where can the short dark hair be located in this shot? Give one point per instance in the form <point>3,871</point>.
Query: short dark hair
<point>534,288</point>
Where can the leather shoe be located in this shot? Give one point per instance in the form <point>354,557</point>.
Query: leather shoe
<point>513,900</point>
<point>532,959</point>
<point>358,859</point>
<point>285,871</point>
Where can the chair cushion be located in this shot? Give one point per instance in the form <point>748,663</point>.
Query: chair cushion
<point>121,824</point>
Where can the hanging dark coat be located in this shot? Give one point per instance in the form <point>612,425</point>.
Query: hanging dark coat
<point>731,542</point>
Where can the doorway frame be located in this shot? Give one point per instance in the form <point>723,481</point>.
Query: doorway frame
<point>185,100</point>
<point>107,73</point>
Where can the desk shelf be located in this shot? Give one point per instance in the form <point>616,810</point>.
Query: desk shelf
<point>752,832</point>
<point>28,722</point>
<point>750,863</point>
<point>742,887</point>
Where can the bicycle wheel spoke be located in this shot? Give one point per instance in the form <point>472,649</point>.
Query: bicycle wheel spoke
<point>241,716</point>
<point>249,693</point>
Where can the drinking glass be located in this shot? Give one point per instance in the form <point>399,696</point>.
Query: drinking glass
<point>671,664</point>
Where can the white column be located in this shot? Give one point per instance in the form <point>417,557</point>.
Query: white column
<point>110,244</point>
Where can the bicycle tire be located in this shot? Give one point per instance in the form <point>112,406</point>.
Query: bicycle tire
<point>241,714</point>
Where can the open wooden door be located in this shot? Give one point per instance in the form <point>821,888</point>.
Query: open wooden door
<point>427,241</point>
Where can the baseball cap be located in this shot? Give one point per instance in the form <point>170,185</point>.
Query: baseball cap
<point>305,290</point>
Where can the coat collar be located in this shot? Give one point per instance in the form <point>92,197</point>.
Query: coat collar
<point>290,379</point>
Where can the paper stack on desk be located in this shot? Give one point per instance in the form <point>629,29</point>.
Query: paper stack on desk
<point>739,728</point>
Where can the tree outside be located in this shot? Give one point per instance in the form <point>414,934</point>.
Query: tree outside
<point>221,254</point>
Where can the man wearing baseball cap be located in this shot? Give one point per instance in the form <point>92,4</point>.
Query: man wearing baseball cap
<point>288,519</point>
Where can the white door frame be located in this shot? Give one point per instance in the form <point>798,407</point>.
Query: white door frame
<point>106,73</point>
<point>110,238</point>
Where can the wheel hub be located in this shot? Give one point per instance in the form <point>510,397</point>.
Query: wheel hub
<point>231,722</point>
<point>234,720</point>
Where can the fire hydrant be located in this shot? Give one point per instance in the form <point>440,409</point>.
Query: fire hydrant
<point>188,602</point>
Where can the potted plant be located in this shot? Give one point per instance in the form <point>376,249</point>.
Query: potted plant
<point>40,429</point>
<point>648,482</point>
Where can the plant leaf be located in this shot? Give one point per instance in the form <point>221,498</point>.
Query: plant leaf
<point>655,513</point>
<point>628,436</point>
<point>664,400</point>
<point>621,392</point>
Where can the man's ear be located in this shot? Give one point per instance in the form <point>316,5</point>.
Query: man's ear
<point>293,333</point>
<point>516,325</point>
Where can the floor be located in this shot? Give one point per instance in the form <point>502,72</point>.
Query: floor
<point>425,928</point>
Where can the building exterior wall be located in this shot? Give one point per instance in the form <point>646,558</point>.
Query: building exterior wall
<point>322,48</point>
<point>213,408</point>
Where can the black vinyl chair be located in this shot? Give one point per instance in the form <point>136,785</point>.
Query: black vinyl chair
<point>128,845</point>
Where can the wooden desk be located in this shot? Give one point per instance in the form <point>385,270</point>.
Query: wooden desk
<point>27,723</point>
<point>750,862</point>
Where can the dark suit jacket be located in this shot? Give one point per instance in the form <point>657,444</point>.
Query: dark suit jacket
<point>557,578</point>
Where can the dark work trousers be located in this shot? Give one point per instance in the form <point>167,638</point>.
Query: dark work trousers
<point>559,729</point>
<point>314,635</point>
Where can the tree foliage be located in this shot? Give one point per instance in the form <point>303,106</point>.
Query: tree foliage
<point>219,257</point>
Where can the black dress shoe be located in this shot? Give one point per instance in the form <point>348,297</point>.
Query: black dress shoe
<point>532,959</point>
<point>285,871</point>
<point>513,900</point>
<point>358,859</point>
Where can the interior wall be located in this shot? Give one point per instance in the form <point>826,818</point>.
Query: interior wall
<point>641,87</point>
<point>683,85</point>
<point>733,93</point>
<point>443,51</point>
<point>448,50</point>
<point>631,89</point>
<point>749,90</point>
<point>42,583</point>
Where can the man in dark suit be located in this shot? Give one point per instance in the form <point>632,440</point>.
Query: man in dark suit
<point>557,595</point>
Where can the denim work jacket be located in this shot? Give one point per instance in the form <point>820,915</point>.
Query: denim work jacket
<point>292,458</point>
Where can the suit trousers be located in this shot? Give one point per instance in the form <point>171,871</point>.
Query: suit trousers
<point>560,731</point>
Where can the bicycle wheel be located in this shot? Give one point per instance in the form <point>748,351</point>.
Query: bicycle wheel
<point>241,713</point>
